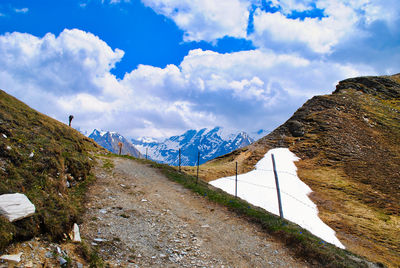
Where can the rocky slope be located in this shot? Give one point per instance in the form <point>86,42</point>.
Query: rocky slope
<point>210,142</point>
<point>47,161</point>
<point>349,145</point>
<point>110,140</point>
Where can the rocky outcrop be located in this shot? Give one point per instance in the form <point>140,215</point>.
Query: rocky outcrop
<point>385,87</point>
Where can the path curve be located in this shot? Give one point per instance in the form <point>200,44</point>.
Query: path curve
<point>138,218</point>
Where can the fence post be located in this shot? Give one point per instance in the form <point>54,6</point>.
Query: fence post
<point>277,187</point>
<point>120,147</point>
<point>179,159</point>
<point>198,162</point>
<point>236,181</point>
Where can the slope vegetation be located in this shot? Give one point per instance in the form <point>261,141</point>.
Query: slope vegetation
<point>46,160</point>
<point>349,143</point>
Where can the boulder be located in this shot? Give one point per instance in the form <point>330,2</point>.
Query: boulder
<point>16,206</point>
<point>296,128</point>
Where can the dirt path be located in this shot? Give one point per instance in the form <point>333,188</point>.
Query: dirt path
<point>138,218</point>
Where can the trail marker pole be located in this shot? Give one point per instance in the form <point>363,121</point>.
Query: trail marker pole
<point>146,153</point>
<point>277,187</point>
<point>120,147</point>
<point>236,181</point>
<point>198,162</point>
<point>179,159</point>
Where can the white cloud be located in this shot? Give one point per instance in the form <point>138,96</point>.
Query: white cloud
<point>21,10</point>
<point>205,20</point>
<point>342,21</point>
<point>319,34</point>
<point>70,74</point>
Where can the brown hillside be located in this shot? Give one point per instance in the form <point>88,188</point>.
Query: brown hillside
<point>349,143</point>
<point>41,157</point>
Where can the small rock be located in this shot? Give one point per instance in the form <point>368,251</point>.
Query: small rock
<point>99,240</point>
<point>79,265</point>
<point>144,200</point>
<point>8,148</point>
<point>205,226</point>
<point>62,261</point>
<point>48,254</point>
<point>163,255</point>
<point>15,258</point>
<point>103,211</point>
<point>5,136</point>
<point>31,155</point>
<point>76,235</point>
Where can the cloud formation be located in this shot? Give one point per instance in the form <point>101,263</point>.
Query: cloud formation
<point>70,74</point>
<point>21,10</point>
<point>205,20</point>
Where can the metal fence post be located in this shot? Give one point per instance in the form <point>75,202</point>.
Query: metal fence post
<point>198,162</point>
<point>277,187</point>
<point>179,159</point>
<point>236,180</point>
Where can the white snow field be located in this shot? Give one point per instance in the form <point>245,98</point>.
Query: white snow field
<point>258,188</point>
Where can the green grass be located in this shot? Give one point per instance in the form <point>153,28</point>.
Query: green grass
<point>59,153</point>
<point>303,243</point>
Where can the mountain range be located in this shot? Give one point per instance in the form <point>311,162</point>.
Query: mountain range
<point>110,140</point>
<point>210,143</point>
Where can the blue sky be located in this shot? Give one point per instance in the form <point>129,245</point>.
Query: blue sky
<point>159,67</point>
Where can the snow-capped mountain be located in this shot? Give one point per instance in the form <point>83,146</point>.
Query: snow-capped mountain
<point>210,142</point>
<point>110,140</point>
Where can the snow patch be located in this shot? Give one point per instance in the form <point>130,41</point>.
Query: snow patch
<point>258,188</point>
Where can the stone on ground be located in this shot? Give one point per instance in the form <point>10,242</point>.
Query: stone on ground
<point>16,206</point>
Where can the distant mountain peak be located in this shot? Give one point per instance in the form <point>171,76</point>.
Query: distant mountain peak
<point>110,139</point>
<point>211,142</point>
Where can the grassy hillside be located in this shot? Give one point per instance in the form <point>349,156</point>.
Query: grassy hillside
<point>349,143</point>
<point>60,154</point>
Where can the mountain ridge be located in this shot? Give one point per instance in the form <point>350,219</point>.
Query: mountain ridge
<point>110,140</point>
<point>349,145</point>
<point>210,143</point>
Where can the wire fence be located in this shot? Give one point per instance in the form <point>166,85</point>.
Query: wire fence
<point>276,174</point>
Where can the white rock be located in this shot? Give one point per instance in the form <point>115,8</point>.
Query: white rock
<point>144,200</point>
<point>8,147</point>
<point>31,155</point>
<point>5,136</point>
<point>76,234</point>
<point>16,258</point>
<point>16,206</point>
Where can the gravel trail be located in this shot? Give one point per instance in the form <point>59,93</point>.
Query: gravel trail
<point>138,218</point>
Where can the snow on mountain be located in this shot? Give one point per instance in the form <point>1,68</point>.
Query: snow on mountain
<point>110,140</point>
<point>210,142</point>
